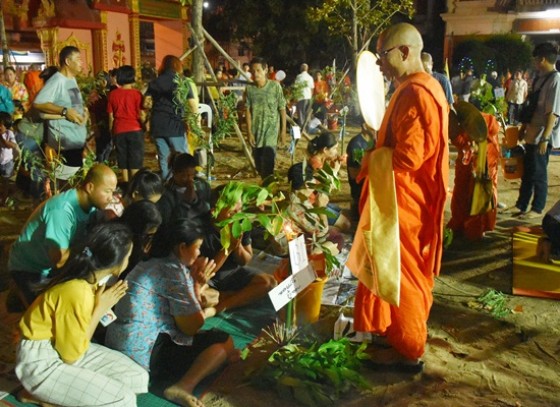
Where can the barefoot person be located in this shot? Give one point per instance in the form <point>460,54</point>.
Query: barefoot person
<point>412,141</point>
<point>159,322</point>
<point>56,363</point>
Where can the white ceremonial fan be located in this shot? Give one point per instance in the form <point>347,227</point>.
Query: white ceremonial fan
<point>280,75</point>
<point>371,89</point>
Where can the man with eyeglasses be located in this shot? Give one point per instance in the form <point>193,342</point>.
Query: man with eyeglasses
<point>413,135</point>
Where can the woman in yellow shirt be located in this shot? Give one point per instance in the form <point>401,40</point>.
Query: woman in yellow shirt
<point>56,363</point>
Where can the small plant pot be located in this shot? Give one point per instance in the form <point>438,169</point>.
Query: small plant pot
<point>511,136</point>
<point>512,167</point>
<point>332,123</point>
<point>308,301</point>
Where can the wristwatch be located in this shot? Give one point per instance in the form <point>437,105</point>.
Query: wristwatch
<point>64,112</point>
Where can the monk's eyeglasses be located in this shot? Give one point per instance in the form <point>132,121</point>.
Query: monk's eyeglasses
<point>383,54</point>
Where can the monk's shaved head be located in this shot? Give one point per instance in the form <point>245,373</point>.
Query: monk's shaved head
<point>402,34</point>
<point>399,48</point>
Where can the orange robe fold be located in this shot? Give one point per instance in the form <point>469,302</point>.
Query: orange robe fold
<point>415,126</point>
<point>473,227</point>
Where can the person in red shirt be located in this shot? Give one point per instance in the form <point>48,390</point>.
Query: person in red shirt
<point>125,121</point>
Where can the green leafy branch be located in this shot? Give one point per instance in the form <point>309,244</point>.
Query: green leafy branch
<point>315,374</point>
<point>495,303</point>
<point>227,117</point>
<point>267,207</point>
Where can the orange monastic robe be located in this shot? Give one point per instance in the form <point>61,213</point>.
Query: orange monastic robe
<point>474,226</point>
<point>415,126</point>
<point>33,83</point>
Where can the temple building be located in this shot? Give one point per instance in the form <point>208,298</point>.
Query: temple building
<point>537,19</point>
<point>109,33</point>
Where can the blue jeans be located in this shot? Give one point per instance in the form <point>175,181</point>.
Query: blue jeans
<point>164,146</point>
<point>534,182</point>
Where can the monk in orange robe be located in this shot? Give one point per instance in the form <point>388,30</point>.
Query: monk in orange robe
<point>33,82</point>
<point>473,227</point>
<point>415,127</point>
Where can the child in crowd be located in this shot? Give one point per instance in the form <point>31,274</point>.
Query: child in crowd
<point>145,185</point>
<point>159,322</point>
<point>8,146</point>
<point>143,219</point>
<point>56,363</point>
<point>125,121</point>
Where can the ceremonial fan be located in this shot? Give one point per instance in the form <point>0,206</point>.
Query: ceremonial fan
<point>371,89</point>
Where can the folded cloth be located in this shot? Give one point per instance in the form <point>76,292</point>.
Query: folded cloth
<point>375,255</point>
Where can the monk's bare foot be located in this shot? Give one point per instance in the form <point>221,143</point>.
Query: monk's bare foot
<point>181,397</point>
<point>24,396</point>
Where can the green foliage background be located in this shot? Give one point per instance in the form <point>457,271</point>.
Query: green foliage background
<point>509,51</point>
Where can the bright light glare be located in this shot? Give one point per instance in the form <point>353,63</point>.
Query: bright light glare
<point>206,4</point>
<point>551,13</point>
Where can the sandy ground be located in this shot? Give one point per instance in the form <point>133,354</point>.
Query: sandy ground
<point>472,359</point>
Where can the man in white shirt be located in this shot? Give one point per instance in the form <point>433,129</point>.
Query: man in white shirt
<point>540,134</point>
<point>516,95</point>
<point>304,82</point>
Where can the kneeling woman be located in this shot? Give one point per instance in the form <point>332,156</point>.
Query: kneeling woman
<point>56,363</point>
<point>158,322</point>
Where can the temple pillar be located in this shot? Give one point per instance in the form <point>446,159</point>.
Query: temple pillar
<point>100,51</point>
<point>49,40</point>
<point>134,29</point>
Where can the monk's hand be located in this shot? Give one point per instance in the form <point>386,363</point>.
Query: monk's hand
<point>107,298</point>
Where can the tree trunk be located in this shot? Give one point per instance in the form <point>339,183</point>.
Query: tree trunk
<point>3,38</point>
<point>355,49</point>
<point>198,59</point>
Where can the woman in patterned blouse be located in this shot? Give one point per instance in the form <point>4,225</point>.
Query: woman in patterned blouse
<point>158,323</point>
<point>18,89</point>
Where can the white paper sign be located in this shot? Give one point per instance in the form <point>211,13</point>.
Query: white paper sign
<point>298,254</point>
<point>296,132</point>
<point>499,93</point>
<point>290,287</point>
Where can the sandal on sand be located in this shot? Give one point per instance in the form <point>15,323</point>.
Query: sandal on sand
<point>181,397</point>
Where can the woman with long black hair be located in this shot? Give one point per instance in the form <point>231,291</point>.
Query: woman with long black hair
<point>56,363</point>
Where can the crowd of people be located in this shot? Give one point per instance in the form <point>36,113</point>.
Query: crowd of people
<point>149,264</point>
